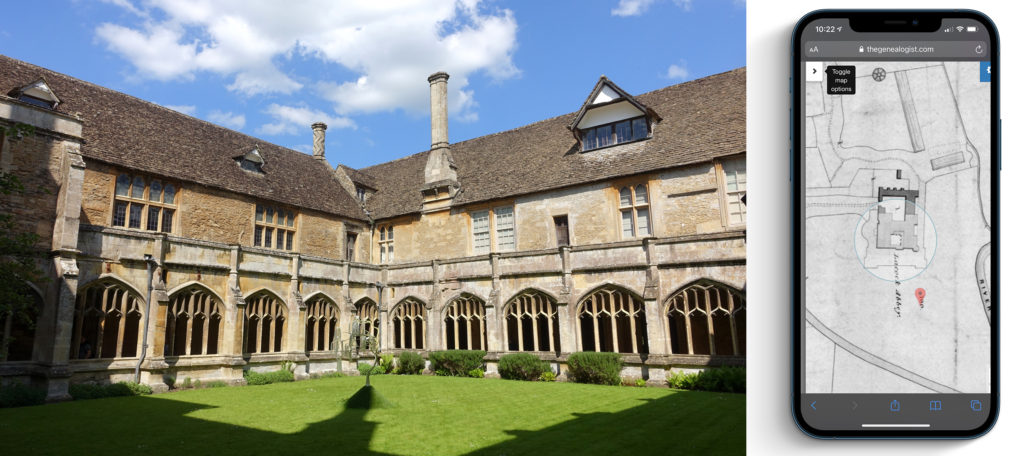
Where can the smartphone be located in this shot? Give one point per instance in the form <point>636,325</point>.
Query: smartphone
<point>895,171</point>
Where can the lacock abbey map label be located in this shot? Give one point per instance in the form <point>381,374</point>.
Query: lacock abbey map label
<point>896,208</point>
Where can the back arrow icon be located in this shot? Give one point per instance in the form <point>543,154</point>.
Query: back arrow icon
<point>812,405</point>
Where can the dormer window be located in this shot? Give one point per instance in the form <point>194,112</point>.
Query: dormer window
<point>361,194</point>
<point>37,93</point>
<point>614,133</point>
<point>611,116</point>
<point>252,161</point>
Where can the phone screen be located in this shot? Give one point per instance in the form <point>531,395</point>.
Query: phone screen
<point>895,170</point>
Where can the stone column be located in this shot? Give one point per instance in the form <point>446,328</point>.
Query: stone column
<point>234,308</point>
<point>383,307</point>
<point>65,244</point>
<point>566,306</point>
<point>435,328</point>
<point>656,337</point>
<point>495,326</point>
<point>296,329</point>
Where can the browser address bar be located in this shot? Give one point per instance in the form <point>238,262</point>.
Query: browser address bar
<point>915,50</point>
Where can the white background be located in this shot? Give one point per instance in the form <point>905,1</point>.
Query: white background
<point>770,427</point>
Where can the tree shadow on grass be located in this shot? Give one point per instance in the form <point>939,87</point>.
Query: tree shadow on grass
<point>679,423</point>
<point>161,426</point>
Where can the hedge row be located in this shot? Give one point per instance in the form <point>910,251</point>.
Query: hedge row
<point>723,379</point>
<point>20,395</point>
<point>457,363</point>
<point>91,391</point>
<point>256,378</point>
<point>522,366</point>
<point>595,367</point>
<point>410,363</point>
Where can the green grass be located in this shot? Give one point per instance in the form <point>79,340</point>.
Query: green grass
<point>423,415</point>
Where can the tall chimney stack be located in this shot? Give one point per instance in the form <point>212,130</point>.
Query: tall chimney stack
<point>438,109</point>
<point>440,166</point>
<point>319,132</point>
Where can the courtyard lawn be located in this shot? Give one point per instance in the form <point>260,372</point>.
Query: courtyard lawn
<point>425,415</point>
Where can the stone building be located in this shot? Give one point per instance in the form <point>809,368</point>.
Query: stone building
<point>178,248</point>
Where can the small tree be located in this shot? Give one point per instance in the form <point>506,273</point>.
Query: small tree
<point>19,253</point>
<point>361,338</point>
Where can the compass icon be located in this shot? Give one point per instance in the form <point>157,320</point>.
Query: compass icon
<point>878,74</point>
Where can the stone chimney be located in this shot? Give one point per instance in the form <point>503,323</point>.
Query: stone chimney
<point>440,167</point>
<point>319,132</point>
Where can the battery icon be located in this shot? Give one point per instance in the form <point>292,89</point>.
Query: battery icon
<point>971,28</point>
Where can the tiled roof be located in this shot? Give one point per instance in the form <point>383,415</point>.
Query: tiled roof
<point>701,119</point>
<point>123,130</point>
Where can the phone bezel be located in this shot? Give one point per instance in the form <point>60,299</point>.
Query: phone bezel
<point>875,20</point>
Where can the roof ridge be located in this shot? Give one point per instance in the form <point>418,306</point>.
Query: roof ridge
<point>165,108</point>
<point>710,76</point>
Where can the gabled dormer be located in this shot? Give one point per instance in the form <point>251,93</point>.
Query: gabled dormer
<point>252,160</point>
<point>37,93</point>
<point>611,116</point>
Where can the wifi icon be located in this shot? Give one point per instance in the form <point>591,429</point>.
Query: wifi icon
<point>960,28</point>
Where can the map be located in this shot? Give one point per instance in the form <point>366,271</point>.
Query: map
<point>897,214</point>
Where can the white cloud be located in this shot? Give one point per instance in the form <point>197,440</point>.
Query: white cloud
<point>631,7</point>
<point>677,71</point>
<point>384,50</point>
<point>189,110</point>
<point>227,119</point>
<point>127,5</point>
<point>638,7</point>
<point>294,119</point>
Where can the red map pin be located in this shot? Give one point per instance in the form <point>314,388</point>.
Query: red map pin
<point>920,296</point>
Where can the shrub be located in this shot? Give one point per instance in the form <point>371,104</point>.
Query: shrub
<point>373,370</point>
<point>476,373</point>
<point>456,363</point>
<point>91,391</point>
<point>410,363</point>
<point>280,375</point>
<point>723,379</point>
<point>387,361</point>
<point>187,383</point>
<point>595,367</point>
<point>641,382</point>
<point>522,366</point>
<point>217,384</point>
<point>20,395</point>
<point>334,374</point>
<point>547,376</point>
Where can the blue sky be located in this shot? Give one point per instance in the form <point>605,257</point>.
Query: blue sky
<point>270,70</point>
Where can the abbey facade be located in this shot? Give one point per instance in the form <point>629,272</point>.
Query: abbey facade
<point>175,248</point>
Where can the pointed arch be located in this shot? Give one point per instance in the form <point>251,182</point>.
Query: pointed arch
<point>465,322</point>
<point>707,317</point>
<point>409,320</point>
<point>612,318</point>
<point>108,312</point>
<point>17,333</point>
<point>531,322</point>
<point>195,320</point>
<point>265,322</point>
<point>322,318</point>
<point>367,319</point>
<point>266,290</point>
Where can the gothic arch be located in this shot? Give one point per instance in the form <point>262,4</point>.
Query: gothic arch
<point>706,317</point>
<point>409,323</point>
<point>265,322</point>
<point>107,322</point>
<point>612,318</point>
<point>195,321</point>
<point>322,317</point>
<point>16,333</point>
<point>531,321</point>
<point>465,322</point>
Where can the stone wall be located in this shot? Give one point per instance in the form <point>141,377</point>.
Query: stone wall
<point>35,160</point>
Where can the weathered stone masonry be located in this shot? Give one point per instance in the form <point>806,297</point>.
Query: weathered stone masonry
<point>667,292</point>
